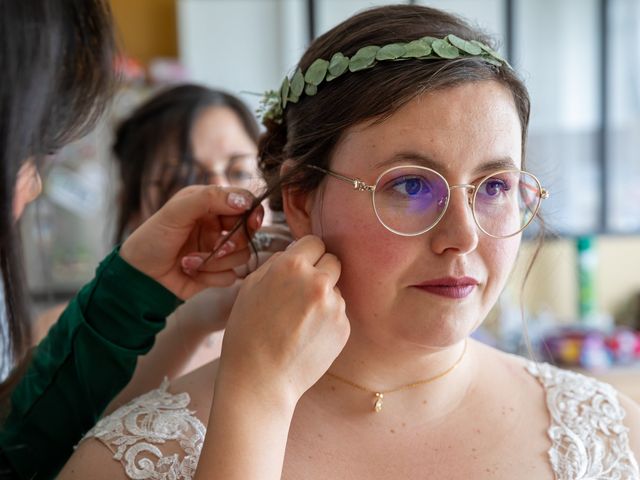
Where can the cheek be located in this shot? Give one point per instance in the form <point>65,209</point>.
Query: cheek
<point>499,258</point>
<point>369,253</point>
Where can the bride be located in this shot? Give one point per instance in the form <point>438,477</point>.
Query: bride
<point>399,151</point>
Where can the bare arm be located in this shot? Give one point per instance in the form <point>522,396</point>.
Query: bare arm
<point>246,434</point>
<point>286,328</point>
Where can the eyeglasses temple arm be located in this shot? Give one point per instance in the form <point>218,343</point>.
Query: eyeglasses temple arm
<point>544,193</point>
<point>357,184</point>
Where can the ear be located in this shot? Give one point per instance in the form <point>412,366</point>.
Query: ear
<point>28,187</point>
<point>297,207</point>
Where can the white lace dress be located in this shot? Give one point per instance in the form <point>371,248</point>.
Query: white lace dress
<point>589,440</point>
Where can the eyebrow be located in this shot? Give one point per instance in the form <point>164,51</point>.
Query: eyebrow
<point>502,163</point>
<point>237,156</point>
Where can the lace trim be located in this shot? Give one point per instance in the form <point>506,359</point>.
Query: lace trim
<point>155,418</point>
<point>589,440</point>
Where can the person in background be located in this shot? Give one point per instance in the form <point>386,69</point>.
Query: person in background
<point>185,135</point>
<point>56,59</point>
<point>399,146</point>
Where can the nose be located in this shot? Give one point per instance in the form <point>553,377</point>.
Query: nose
<point>219,179</point>
<point>457,231</point>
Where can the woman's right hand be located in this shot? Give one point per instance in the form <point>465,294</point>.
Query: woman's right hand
<point>288,324</point>
<point>187,229</point>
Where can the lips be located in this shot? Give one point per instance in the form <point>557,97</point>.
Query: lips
<point>449,287</point>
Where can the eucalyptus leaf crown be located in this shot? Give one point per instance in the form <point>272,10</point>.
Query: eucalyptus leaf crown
<point>450,47</point>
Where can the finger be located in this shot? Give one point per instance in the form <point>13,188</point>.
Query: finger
<point>253,222</point>
<point>197,202</point>
<point>227,262</point>
<point>211,235</point>
<point>214,237</point>
<point>310,247</point>
<point>205,262</point>
<point>239,230</point>
<point>330,265</point>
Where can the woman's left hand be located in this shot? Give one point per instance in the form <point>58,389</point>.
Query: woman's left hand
<point>174,245</point>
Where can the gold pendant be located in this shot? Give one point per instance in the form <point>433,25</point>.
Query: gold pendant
<point>377,406</point>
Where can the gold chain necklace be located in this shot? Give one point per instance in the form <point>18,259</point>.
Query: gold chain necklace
<point>379,396</point>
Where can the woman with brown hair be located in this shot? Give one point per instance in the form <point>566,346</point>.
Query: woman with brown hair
<point>56,59</point>
<point>397,153</point>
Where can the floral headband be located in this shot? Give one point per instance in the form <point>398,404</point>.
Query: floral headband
<point>450,47</point>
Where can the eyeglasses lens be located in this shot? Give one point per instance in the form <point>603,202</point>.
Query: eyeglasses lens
<point>411,200</point>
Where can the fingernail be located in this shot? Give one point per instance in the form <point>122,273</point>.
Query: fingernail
<point>258,220</point>
<point>225,249</point>
<point>190,264</point>
<point>237,200</point>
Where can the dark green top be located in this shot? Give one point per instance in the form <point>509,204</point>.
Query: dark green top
<point>85,360</point>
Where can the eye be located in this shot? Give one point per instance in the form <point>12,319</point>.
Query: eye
<point>411,186</point>
<point>239,175</point>
<point>494,187</point>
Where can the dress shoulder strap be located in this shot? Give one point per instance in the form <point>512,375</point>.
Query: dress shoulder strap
<point>589,440</point>
<point>154,436</point>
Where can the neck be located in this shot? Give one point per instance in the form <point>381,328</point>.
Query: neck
<point>432,381</point>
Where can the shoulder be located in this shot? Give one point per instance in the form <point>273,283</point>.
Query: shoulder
<point>507,370</point>
<point>153,436</point>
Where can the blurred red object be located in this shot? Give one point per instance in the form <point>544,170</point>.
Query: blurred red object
<point>129,69</point>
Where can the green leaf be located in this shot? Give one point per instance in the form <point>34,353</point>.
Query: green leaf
<point>364,58</point>
<point>316,72</point>
<point>337,66</point>
<point>464,45</point>
<point>417,49</point>
<point>492,61</point>
<point>429,40</point>
<point>297,86</point>
<point>444,49</point>
<point>310,89</point>
<point>330,77</point>
<point>490,51</point>
<point>284,92</point>
<point>392,51</point>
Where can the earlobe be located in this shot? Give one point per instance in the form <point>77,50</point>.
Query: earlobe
<point>297,206</point>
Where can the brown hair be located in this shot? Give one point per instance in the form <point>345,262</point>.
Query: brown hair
<point>161,128</point>
<point>311,128</point>
<point>56,59</point>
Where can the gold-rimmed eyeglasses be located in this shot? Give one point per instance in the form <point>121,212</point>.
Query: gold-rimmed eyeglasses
<point>411,200</point>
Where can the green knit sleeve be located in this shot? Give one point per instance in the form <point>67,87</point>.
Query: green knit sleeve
<point>88,356</point>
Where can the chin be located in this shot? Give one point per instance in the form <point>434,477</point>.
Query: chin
<point>439,332</point>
